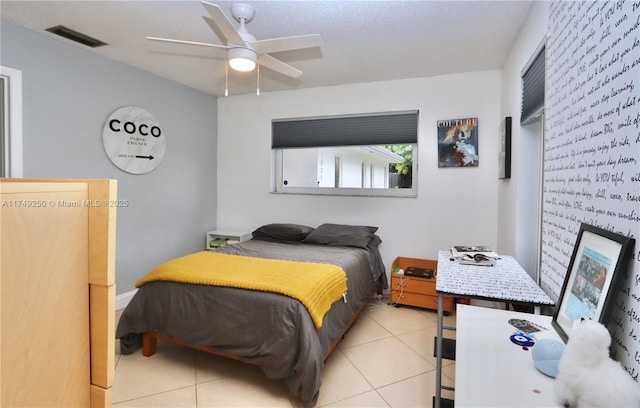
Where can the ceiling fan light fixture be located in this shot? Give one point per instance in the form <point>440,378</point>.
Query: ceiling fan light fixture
<point>242,59</point>
<point>242,47</point>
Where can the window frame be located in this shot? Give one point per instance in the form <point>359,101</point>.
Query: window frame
<point>280,188</point>
<point>338,131</point>
<point>11,134</point>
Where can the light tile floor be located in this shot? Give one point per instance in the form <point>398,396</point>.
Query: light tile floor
<point>385,360</point>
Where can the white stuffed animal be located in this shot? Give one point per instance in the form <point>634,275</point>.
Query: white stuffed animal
<point>588,377</point>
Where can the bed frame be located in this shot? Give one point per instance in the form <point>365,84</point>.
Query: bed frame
<point>150,339</point>
<point>288,325</point>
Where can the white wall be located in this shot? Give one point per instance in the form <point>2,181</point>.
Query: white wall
<point>68,93</point>
<point>516,196</point>
<point>454,205</point>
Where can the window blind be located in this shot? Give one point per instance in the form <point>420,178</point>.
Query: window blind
<point>533,89</point>
<point>372,129</point>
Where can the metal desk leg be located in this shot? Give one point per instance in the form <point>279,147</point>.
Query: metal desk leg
<point>439,352</point>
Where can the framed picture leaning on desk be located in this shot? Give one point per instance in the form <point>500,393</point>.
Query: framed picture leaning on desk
<point>592,279</point>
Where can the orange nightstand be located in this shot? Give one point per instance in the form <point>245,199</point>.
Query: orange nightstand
<point>416,291</point>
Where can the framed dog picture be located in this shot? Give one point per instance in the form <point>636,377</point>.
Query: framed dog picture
<point>458,143</point>
<point>593,278</point>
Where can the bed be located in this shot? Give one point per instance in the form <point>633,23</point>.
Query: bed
<point>274,331</point>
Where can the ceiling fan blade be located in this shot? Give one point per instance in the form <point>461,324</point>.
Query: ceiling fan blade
<point>268,61</point>
<point>169,40</point>
<point>223,24</point>
<point>287,43</point>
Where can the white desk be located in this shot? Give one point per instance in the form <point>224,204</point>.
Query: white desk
<point>491,371</point>
<point>506,281</point>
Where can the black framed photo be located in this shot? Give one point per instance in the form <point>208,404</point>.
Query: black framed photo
<point>504,159</point>
<point>593,278</point>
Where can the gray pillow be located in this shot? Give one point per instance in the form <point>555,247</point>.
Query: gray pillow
<point>282,232</point>
<point>342,235</point>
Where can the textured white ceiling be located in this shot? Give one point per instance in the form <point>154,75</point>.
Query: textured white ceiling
<point>363,41</point>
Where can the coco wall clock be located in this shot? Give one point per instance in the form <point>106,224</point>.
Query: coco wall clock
<point>133,140</point>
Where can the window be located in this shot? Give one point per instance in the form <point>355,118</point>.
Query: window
<point>533,88</point>
<point>371,155</point>
<point>4,149</point>
<point>10,122</point>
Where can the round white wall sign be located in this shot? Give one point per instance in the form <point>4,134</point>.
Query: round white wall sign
<point>133,140</point>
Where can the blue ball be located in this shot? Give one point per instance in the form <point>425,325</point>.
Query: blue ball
<point>546,355</point>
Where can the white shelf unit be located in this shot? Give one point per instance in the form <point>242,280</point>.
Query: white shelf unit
<point>231,236</point>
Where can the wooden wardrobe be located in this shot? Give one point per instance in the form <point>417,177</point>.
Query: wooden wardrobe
<point>57,292</point>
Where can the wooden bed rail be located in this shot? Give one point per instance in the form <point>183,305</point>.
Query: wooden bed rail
<point>150,340</point>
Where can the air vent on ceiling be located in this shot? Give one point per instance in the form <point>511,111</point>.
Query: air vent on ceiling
<point>76,36</point>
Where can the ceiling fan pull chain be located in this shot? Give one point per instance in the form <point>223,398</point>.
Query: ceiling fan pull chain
<point>258,75</point>
<point>226,79</point>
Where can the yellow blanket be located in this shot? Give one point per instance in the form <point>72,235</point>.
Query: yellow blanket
<point>317,286</point>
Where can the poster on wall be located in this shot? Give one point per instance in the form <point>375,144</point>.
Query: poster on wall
<point>133,140</point>
<point>458,143</point>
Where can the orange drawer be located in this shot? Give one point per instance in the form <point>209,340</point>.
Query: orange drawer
<point>415,285</point>
<point>414,299</point>
<point>419,292</point>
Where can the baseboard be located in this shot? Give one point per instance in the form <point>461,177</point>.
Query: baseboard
<point>123,299</point>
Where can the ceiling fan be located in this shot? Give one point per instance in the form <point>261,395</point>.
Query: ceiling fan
<point>243,50</point>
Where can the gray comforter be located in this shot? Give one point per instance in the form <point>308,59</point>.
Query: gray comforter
<point>273,330</point>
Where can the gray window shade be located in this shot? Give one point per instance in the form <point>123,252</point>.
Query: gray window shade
<point>533,89</point>
<point>378,129</point>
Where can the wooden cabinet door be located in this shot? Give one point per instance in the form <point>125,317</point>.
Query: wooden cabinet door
<point>44,296</point>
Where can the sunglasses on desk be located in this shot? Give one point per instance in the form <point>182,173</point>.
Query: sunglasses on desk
<point>475,257</point>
